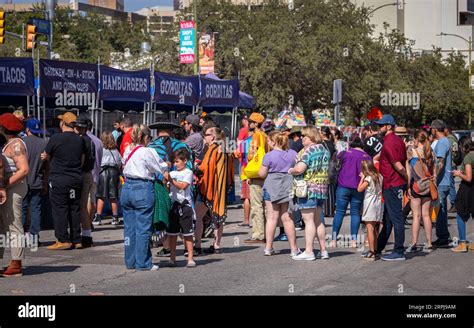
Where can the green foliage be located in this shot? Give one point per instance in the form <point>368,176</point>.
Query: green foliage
<point>280,53</point>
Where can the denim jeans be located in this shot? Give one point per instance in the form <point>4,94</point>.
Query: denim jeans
<point>393,217</point>
<point>461,228</point>
<point>344,196</point>
<point>442,219</point>
<point>138,199</point>
<point>33,200</point>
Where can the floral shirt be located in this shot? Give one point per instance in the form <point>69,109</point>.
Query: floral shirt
<point>316,157</point>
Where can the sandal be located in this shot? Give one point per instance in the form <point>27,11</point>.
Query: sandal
<point>370,256</point>
<point>244,225</point>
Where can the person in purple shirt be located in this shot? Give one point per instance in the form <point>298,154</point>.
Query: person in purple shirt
<point>91,204</point>
<point>346,192</point>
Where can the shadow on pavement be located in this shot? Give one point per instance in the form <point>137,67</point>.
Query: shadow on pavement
<point>239,249</point>
<point>35,270</point>
<point>235,233</point>
<point>182,263</point>
<point>107,243</point>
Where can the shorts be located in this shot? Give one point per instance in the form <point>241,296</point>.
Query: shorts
<point>266,195</point>
<point>181,220</point>
<point>89,189</point>
<point>308,203</point>
<point>245,191</point>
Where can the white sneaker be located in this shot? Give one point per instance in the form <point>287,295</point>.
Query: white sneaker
<point>268,252</point>
<point>154,268</point>
<point>304,257</point>
<point>296,253</point>
<point>323,255</point>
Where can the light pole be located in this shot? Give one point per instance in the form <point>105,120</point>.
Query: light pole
<point>196,39</point>
<point>398,3</point>
<point>469,42</point>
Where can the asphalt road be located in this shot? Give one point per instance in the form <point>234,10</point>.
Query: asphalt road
<point>240,270</point>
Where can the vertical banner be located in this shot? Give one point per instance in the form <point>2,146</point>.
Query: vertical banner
<point>186,42</point>
<point>206,53</point>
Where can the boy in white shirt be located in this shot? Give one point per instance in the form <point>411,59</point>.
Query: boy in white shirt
<point>182,213</point>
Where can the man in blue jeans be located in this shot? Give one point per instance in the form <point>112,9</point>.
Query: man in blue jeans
<point>392,167</point>
<point>443,173</point>
<point>37,184</point>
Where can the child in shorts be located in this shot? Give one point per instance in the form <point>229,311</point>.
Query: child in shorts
<point>182,212</point>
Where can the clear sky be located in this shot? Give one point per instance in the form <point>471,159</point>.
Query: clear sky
<point>130,5</point>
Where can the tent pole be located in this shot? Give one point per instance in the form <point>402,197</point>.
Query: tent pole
<point>44,119</point>
<point>101,121</point>
<point>232,124</point>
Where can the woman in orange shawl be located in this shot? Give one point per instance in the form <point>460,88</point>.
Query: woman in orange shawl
<point>217,176</point>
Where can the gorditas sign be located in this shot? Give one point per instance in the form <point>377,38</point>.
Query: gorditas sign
<point>186,42</point>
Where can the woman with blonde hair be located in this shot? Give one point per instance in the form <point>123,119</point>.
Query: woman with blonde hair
<point>141,167</point>
<point>420,168</point>
<point>109,178</point>
<point>277,189</point>
<point>312,167</point>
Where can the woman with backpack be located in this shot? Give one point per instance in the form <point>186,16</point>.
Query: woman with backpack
<point>420,167</point>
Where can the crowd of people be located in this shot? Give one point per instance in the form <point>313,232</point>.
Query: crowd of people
<point>179,182</point>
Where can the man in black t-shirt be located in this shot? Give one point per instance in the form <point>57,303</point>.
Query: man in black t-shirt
<point>373,143</point>
<point>66,152</point>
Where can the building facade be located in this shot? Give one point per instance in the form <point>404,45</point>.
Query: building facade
<point>423,21</point>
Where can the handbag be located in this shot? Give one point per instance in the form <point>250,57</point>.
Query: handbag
<point>300,188</point>
<point>253,165</point>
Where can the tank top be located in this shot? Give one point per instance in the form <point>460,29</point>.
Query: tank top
<point>8,162</point>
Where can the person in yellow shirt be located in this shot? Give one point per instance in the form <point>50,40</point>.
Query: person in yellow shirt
<point>256,185</point>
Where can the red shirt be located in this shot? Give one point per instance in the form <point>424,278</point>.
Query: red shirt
<point>393,151</point>
<point>243,134</point>
<point>127,140</point>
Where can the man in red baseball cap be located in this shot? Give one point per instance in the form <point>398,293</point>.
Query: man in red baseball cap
<point>16,167</point>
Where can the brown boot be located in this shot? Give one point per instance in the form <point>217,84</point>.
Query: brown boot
<point>462,248</point>
<point>13,270</point>
<point>471,246</point>
<point>59,246</point>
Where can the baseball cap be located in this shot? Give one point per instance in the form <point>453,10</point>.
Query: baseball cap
<point>386,119</point>
<point>34,125</point>
<point>81,121</point>
<point>438,125</point>
<point>192,119</point>
<point>68,118</point>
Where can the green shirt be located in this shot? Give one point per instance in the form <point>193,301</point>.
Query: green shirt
<point>468,159</point>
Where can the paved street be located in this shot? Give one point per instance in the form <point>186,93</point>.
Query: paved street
<point>240,270</point>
